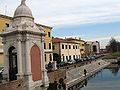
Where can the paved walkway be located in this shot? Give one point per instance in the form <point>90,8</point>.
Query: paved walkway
<point>76,75</point>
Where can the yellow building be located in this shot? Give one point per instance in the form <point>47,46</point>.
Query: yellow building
<point>48,43</point>
<point>81,45</point>
<point>5,21</point>
<point>82,48</point>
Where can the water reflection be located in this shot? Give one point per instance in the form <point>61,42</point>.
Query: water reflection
<point>107,79</point>
<point>115,70</point>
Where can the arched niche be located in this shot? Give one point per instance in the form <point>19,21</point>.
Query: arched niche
<point>36,63</point>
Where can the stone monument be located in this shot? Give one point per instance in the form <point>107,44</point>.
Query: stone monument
<point>24,50</point>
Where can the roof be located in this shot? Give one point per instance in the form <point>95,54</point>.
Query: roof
<point>60,40</point>
<point>43,25</point>
<point>75,39</point>
<point>7,17</point>
<point>23,11</point>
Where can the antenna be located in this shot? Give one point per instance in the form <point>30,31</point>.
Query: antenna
<point>5,9</point>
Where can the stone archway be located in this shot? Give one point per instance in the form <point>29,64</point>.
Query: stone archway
<point>13,70</point>
<point>56,57</point>
<point>36,63</point>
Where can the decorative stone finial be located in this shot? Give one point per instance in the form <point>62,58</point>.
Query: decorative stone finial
<point>23,2</point>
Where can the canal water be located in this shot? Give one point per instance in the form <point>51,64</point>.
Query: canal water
<point>107,79</point>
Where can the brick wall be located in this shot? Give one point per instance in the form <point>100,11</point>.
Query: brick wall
<point>14,85</point>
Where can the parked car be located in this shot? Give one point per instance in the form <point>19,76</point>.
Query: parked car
<point>92,57</point>
<point>78,60</point>
<point>62,64</point>
<point>71,62</point>
<point>84,58</point>
<point>1,69</point>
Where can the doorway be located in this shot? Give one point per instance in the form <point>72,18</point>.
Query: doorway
<point>13,70</point>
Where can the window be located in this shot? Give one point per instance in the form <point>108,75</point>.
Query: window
<point>69,57</point>
<point>94,48</point>
<point>48,34</point>
<point>50,57</point>
<point>76,46</point>
<point>53,47</point>
<point>44,45</point>
<point>69,46</point>
<point>66,57</point>
<point>73,47</point>
<point>63,58</point>
<point>82,44</point>
<point>7,25</point>
<point>73,56</point>
<point>62,46</point>
<point>81,50</point>
<point>76,56</point>
<point>45,58</point>
<point>49,45</point>
<point>66,46</point>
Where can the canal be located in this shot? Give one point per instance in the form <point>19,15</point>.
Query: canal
<point>106,79</point>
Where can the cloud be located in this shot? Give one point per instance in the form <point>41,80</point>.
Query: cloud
<point>68,12</point>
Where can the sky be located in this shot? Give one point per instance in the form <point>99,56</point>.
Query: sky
<point>90,20</point>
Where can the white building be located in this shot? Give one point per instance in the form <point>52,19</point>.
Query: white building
<point>66,50</point>
<point>92,47</point>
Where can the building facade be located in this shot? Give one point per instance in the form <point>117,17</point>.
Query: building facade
<point>92,48</point>
<point>48,43</point>
<point>5,21</point>
<point>81,45</point>
<point>65,49</point>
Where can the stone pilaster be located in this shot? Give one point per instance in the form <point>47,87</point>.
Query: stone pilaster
<point>45,76</point>
<point>28,73</point>
<point>6,64</point>
<point>19,60</point>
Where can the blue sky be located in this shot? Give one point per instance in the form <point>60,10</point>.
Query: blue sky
<point>87,19</point>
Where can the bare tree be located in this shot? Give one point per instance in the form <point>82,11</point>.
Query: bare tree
<point>113,46</point>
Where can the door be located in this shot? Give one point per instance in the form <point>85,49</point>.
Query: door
<point>12,64</point>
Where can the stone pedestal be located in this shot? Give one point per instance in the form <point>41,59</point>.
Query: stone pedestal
<point>54,65</point>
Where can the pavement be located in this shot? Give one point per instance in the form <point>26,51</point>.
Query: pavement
<point>77,75</point>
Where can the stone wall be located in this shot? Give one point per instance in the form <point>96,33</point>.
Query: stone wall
<point>14,85</point>
<point>56,75</point>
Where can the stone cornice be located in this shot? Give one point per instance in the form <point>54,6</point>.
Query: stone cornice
<point>21,32</point>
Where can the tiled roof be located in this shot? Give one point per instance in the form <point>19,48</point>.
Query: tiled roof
<point>75,39</point>
<point>60,40</point>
